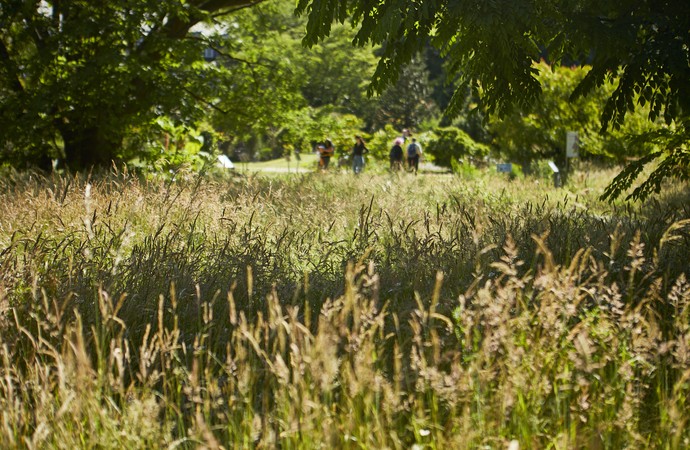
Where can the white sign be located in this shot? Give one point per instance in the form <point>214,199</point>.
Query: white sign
<point>572,144</point>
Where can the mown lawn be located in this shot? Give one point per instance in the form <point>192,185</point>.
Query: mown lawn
<point>307,163</point>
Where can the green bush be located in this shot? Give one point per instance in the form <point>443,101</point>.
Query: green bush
<point>381,142</point>
<point>452,143</point>
<point>463,168</point>
<point>539,132</point>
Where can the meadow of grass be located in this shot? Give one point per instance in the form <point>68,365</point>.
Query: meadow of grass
<point>306,163</point>
<point>334,311</point>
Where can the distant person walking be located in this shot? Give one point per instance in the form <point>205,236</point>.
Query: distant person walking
<point>414,152</point>
<point>326,151</point>
<point>396,155</point>
<point>358,152</point>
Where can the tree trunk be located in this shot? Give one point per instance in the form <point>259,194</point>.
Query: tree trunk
<point>88,147</point>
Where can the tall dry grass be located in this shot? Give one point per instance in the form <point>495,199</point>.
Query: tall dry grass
<point>340,312</point>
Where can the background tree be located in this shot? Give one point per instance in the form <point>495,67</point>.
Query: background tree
<point>539,132</point>
<point>644,44</point>
<point>278,95</point>
<point>77,76</point>
<point>257,68</point>
<point>406,103</point>
<point>336,74</point>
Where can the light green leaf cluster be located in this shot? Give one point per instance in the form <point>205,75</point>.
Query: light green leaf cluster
<point>540,131</point>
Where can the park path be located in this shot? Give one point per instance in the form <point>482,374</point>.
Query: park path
<point>423,168</point>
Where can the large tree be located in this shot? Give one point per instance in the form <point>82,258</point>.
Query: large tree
<point>492,47</point>
<point>277,77</point>
<point>81,74</point>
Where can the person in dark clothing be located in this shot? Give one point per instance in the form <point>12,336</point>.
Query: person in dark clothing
<point>396,155</point>
<point>358,152</point>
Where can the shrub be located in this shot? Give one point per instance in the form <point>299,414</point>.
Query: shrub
<point>452,144</point>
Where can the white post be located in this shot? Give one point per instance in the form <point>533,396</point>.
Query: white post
<point>571,148</point>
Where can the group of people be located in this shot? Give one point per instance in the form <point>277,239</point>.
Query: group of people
<point>327,150</point>
<point>413,152</point>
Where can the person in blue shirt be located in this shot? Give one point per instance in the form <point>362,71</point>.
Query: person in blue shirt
<point>414,152</point>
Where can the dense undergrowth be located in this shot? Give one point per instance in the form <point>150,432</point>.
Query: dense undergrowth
<point>341,312</point>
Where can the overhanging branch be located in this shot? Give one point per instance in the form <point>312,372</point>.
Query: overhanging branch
<point>229,6</point>
<point>211,105</point>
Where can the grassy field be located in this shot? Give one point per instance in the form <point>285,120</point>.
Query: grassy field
<point>334,311</point>
<point>306,163</point>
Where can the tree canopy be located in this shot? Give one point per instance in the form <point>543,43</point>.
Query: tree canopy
<point>87,81</point>
<point>491,47</point>
<point>539,132</point>
<point>84,73</point>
